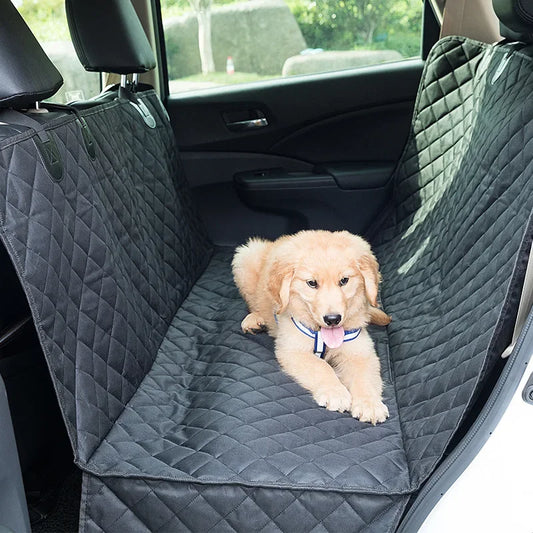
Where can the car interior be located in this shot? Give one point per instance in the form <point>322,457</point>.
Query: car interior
<point>134,400</point>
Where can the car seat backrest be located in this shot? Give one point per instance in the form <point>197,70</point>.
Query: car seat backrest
<point>449,257</point>
<point>107,249</point>
<point>27,77</point>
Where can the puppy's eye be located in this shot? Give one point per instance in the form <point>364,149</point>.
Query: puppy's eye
<point>343,281</point>
<point>313,283</point>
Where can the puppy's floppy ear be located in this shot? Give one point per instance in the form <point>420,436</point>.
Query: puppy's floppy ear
<point>279,285</point>
<point>368,266</point>
<point>379,317</point>
<point>365,261</point>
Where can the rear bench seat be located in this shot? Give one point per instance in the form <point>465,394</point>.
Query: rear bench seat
<point>177,419</point>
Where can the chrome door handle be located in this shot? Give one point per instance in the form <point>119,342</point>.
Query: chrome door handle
<point>250,124</point>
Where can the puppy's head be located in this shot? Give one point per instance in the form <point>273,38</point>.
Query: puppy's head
<point>326,280</point>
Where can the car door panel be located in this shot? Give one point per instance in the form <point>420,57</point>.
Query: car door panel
<point>228,218</point>
<point>357,119</point>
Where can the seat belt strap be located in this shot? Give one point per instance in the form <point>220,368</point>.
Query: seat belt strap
<point>470,18</point>
<point>524,307</point>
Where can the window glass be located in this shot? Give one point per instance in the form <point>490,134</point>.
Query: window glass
<point>220,42</point>
<point>48,22</point>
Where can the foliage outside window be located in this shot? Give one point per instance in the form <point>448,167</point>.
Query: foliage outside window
<point>48,22</point>
<point>360,24</point>
<point>325,35</point>
<point>218,42</point>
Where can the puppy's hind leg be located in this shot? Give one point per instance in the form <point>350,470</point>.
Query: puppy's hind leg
<point>247,264</point>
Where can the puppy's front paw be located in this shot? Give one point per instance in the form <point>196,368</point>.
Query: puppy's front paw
<point>253,323</point>
<point>334,398</point>
<point>373,411</point>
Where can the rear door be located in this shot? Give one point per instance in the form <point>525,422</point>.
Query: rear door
<point>279,133</point>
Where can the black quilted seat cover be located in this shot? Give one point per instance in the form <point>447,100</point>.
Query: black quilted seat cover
<point>181,422</point>
<point>106,255</point>
<point>448,255</point>
<point>215,407</point>
<point>216,415</point>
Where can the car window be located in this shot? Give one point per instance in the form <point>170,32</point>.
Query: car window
<point>220,42</point>
<point>48,22</point>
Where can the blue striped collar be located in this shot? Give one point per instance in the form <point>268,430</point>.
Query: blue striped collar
<point>320,347</point>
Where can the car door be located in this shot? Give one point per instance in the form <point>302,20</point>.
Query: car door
<point>290,152</point>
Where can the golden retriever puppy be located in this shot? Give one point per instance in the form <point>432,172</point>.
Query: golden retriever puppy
<point>315,292</point>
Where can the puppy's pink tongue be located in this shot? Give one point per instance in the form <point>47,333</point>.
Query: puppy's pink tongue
<point>333,337</point>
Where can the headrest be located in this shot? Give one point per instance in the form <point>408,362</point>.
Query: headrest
<point>26,74</point>
<point>108,36</point>
<point>516,19</point>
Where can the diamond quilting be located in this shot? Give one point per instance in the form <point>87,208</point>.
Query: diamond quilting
<point>462,216</point>
<point>160,506</point>
<point>187,424</point>
<point>233,416</point>
<point>101,254</point>
<point>254,426</point>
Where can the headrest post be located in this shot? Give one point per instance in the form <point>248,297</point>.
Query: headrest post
<point>123,80</point>
<point>135,81</point>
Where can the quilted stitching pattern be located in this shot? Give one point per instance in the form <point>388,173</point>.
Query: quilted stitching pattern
<point>160,506</point>
<point>231,415</point>
<point>435,379</point>
<point>184,423</point>
<point>102,256</point>
<point>464,195</point>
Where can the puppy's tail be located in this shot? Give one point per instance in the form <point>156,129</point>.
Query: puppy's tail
<point>379,317</point>
<point>247,264</point>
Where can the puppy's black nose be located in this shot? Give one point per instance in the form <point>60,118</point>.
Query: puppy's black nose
<point>332,320</point>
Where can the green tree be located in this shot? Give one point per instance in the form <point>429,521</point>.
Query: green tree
<point>342,25</point>
<point>46,19</point>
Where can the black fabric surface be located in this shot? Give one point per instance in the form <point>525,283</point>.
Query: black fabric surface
<point>143,505</point>
<point>106,255</point>
<point>463,201</point>
<point>216,407</point>
<point>181,422</point>
<point>27,73</point>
